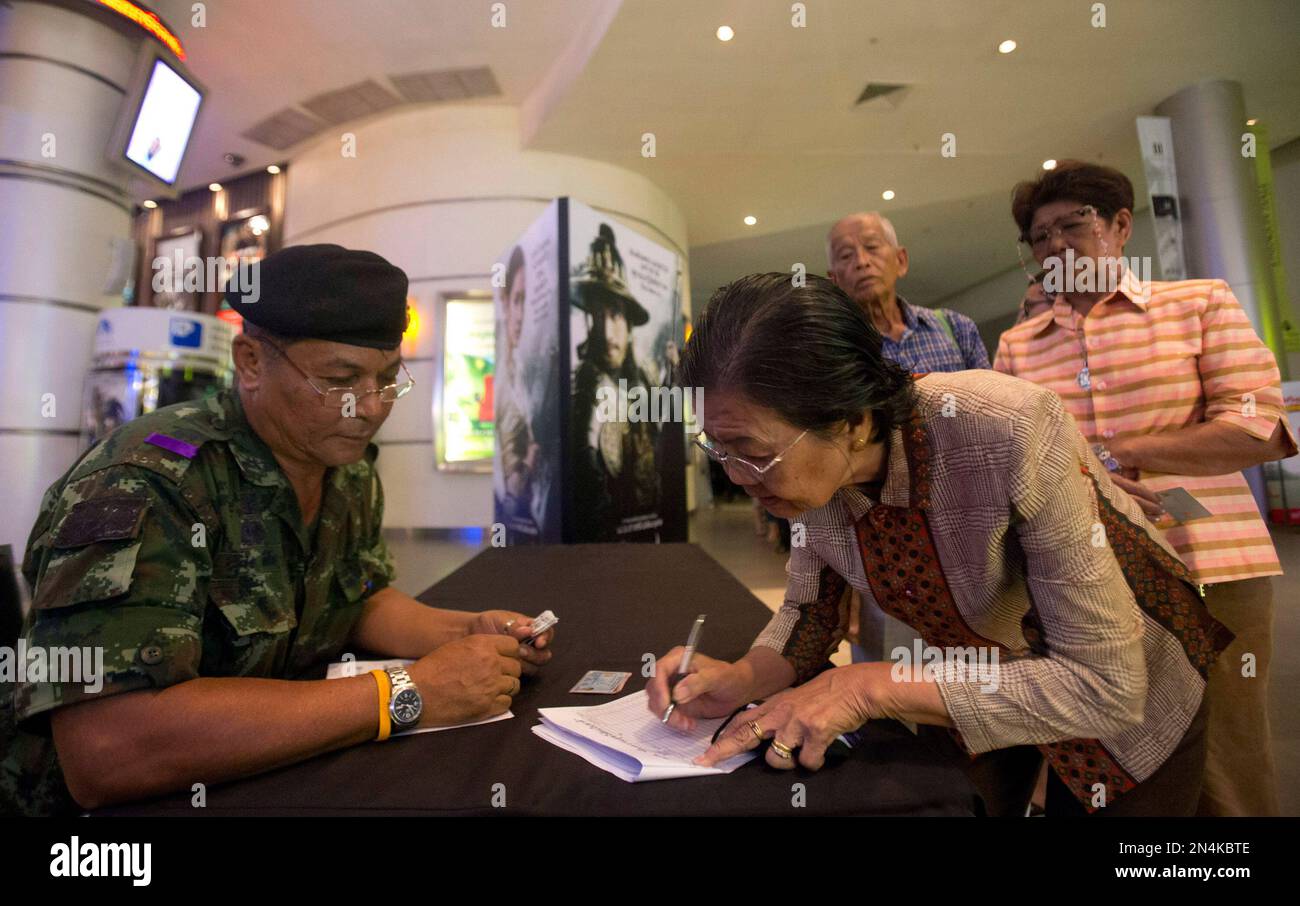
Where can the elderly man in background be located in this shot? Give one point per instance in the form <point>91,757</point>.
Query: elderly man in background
<point>1171,384</point>
<point>866,261</point>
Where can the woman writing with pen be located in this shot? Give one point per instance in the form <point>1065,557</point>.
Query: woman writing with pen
<point>968,506</point>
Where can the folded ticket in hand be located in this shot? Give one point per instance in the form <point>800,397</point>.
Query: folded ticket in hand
<point>625,739</point>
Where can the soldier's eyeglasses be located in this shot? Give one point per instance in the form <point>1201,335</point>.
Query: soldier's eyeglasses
<point>744,467</point>
<point>339,396</point>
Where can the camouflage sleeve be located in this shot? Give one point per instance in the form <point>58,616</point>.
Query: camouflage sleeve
<point>376,561</point>
<point>119,595</point>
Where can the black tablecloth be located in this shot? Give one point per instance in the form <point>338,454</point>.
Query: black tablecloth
<point>616,603</point>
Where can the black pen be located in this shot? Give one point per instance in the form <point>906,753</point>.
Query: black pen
<point>692,641</point>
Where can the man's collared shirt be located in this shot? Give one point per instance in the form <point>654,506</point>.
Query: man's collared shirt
<point>925,345</point>
<point>178,548</point>
<point>1163,356</point>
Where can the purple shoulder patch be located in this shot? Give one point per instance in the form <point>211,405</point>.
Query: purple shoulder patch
<point>179,447</point>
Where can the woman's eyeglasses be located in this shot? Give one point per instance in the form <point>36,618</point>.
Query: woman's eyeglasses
<point>745,467</point>
<point>1073,227</point>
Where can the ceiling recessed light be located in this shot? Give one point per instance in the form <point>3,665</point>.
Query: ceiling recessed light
<point>1049,164</point>
<point>273,169</point>
<point>214,187</point>
<point>150,203</point>
<point>1007,46</point>
<point>751,220</point>
<point>725,33</point>
<point>888,195</point>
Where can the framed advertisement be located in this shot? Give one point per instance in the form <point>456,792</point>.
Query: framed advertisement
<point>244,236</point>
<point>463,379</point>
<point>243,239</point>
<point>167,284</point>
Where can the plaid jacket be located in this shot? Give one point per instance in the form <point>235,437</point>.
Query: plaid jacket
<point>1010,496</point>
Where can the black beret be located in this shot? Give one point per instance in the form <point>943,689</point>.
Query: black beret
<point>326,292</point>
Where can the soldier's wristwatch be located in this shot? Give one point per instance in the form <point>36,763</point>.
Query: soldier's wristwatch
<point>404,704</point>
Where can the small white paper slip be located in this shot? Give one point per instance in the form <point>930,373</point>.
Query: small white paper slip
<point>544,621</point>
<point>343,669</point>
<point>625,739</point>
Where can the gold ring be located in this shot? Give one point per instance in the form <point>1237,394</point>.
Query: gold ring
<point>509,623</point>
<point>780,750</point>
<point>753,727</point>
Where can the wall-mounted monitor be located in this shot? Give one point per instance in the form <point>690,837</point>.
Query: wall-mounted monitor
<point>157,120</point>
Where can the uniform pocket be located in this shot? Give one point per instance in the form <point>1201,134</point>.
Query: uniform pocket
<point>92,552</point>
<point>254,615</point>
<point>96,572</point>
<point>246,603</point>
<point>351,580</point>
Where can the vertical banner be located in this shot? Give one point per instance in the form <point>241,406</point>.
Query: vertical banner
<point>626,458</point>
<point>1156,139</point>
<point>528,385</point>
<point>1283,477</point>
<point>1290,339</point>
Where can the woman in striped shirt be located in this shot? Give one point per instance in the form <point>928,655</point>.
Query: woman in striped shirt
<point>1175,390</point>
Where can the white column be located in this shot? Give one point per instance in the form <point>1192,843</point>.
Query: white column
<point>63,212</point>
<point>1223,225</point>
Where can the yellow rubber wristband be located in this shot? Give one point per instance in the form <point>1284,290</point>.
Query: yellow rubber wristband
<point>385,691</point>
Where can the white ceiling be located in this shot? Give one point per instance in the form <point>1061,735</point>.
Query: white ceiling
<point>257,57</point>
<point>766,124</point>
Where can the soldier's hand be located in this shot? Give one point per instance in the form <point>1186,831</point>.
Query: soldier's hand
<point>519,627</point>
<point>468,679</point>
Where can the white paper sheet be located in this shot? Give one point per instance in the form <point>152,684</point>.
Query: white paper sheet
<point>625,739</point>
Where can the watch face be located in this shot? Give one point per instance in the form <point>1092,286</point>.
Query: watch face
<point>407,707</point>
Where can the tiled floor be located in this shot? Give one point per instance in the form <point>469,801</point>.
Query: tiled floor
<point>726,532</point>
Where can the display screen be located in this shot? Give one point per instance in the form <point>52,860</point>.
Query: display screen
<point>467,364</point>
<point>162,128</point>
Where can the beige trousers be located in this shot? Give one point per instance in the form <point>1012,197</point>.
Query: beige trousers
<point>1240,777</point>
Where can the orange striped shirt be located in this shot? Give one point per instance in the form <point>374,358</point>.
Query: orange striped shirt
<point>1162,356</point>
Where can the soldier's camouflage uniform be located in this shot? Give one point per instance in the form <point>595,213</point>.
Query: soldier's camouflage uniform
<point>178,546</point>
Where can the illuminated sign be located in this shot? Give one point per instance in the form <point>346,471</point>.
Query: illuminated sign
<point>464,425</point>
<point>148,21</point>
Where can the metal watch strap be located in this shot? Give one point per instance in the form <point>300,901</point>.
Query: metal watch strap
<point>399,679</point>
